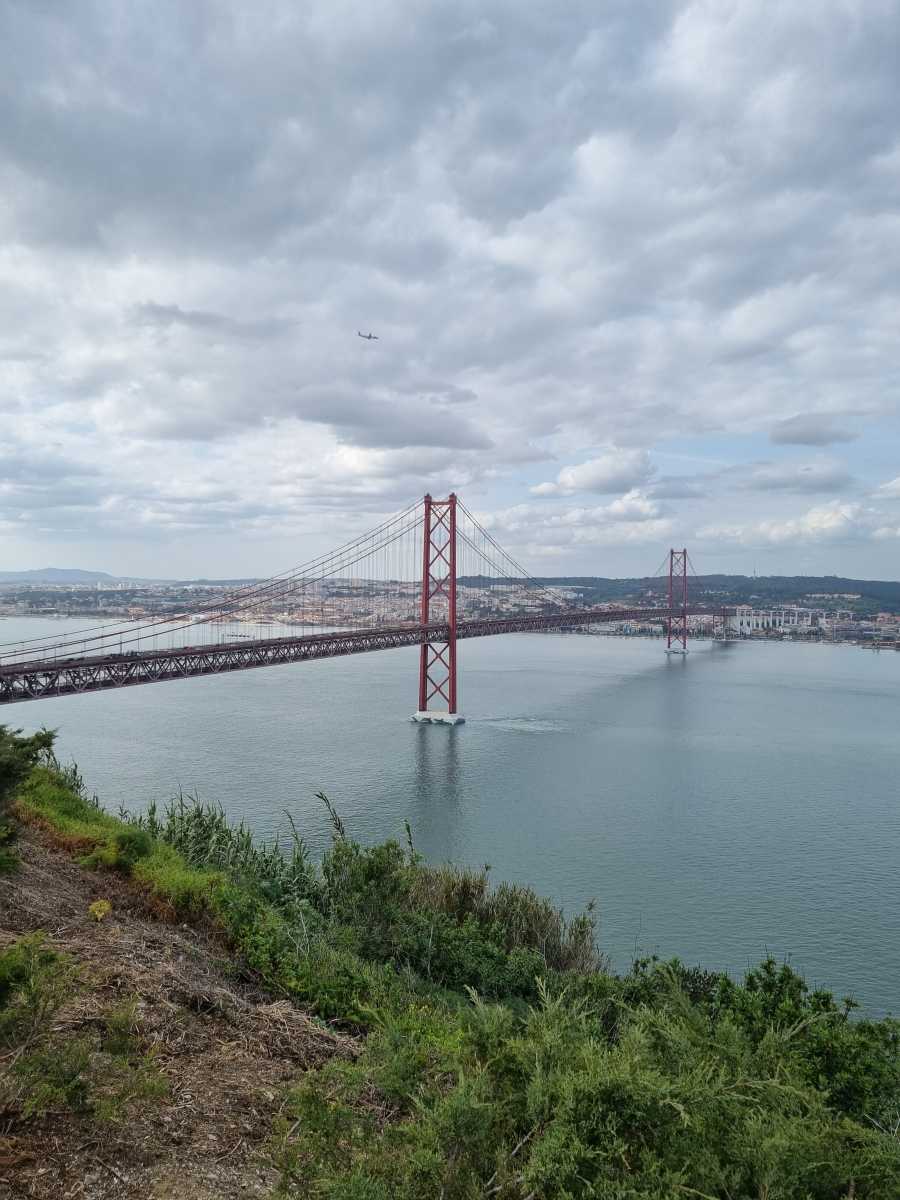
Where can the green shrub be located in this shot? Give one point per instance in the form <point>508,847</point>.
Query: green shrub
<point>517,915</point>
<point>9,859</point>
<point>855,1062</point>
<point>459,955</point>
<point>367,888</point>
<point>121,851</point>
<point>122,1083</point>
<point>296,958</point>
<point>34,982</point>
<point>56,1076</point>
<point>76,1074</point>
<point>120,1028</point>
<point>676,1104</point>
<point>18,756</point>
<point>379,902</point>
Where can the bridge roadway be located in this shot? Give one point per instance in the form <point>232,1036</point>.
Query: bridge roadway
<point>37,679</point>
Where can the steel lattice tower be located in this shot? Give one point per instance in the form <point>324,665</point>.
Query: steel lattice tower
<point>437,662</point>
<point>677,626</point>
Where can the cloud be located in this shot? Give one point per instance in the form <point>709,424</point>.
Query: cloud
<point>169,316</point>
<point>613,472</point>
<point>631,520</point>
<point>809,429</point>
<point>825,475</point>
<point>668,229</point>
<point>677,487</point>
<point>833,522</point>
<point>891,490</point>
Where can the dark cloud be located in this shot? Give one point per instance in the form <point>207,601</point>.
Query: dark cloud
<point>386,420</point>
<point>823,477</point>
<point>167,316</point>
<point>809,429</point>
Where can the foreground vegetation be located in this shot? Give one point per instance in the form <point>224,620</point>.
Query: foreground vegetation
<point>500,1058</point>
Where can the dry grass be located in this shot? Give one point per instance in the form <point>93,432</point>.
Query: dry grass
<point>227,1050</point>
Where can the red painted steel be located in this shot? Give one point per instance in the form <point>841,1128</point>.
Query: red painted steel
<point>426,600</point>
<point>677,626</point>
<point>39,679</point>
<point>437,660</point>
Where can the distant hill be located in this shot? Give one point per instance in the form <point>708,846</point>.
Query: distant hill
<point>814,591</point>
<point>63,575</point>
<point>57,575</point>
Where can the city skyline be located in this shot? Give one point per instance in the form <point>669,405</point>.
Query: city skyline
<point>630,274</point>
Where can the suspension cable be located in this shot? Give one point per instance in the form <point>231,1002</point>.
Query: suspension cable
<point>250,598</point>
<point>235,601</point>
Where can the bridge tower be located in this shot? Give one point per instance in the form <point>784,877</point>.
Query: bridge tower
<point>437,662</point>
<point>677,626</point>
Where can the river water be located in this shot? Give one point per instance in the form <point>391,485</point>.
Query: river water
<point>739,801</point>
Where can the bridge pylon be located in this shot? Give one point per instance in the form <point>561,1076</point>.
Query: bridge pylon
<point>437,661</point>
<point>677,624</point>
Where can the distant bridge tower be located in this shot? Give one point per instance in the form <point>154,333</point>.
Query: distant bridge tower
<point>677,626</point>
<point>437,662</point>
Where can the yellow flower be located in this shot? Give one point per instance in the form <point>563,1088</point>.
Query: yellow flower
<point>100,909</point>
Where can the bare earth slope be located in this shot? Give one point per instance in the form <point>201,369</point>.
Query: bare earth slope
<point>226,1050</point>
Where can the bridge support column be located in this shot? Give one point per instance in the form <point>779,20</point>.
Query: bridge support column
<point>437,661</point>
<point>677,626</point>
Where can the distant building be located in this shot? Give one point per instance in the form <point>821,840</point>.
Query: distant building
<point>746,621</point>
<point>834,595</point>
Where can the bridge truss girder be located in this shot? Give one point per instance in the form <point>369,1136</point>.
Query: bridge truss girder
<point>38,680</point>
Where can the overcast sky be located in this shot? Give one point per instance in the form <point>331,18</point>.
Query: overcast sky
<point>633,267</point>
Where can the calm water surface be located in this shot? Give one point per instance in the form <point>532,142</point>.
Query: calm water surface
<point>742,800</point>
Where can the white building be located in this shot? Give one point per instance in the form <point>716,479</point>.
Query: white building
<point>746,620</point>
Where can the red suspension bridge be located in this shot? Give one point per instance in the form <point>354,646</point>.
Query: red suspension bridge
<point>431,576</point>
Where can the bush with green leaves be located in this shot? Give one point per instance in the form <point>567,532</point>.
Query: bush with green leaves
<point>121,851</point>
<point>35,981</point>
<point>18,755</point>
<point>856,1061</point>
<point>380,902</point>
<point>517,915</point>
<point>9,859</point>
<point>487,1103</point>
<point>501,1060</point>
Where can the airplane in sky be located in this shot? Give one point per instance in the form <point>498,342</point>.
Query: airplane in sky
<point>369,337</point>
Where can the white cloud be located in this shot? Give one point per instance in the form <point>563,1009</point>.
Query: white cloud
<point>570,225</point>
<point>613,472</point>
<point>541,532</point>
<point>832,522</point>
<point>633,506</point>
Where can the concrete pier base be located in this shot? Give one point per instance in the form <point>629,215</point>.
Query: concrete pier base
<point>676,650</point>
<point>439,718</point>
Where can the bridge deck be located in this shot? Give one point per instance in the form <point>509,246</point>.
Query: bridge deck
<point>38,679</point>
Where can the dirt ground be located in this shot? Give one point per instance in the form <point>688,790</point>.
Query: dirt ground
<point>227,1050</point>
